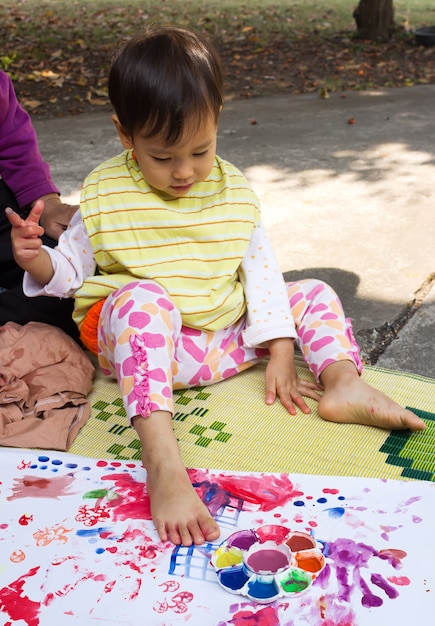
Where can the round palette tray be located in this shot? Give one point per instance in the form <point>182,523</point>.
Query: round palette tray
<point>268,563</point>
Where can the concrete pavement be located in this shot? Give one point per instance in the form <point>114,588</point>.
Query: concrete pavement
<point>347,192</point>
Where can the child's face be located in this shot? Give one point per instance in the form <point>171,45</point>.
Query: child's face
<point>176,168</point>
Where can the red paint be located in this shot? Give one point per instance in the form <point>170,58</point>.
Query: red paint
<point>18,606</point>
<point>266,492</point>
<point>333,492</point>
<point>132,501</point>
<point>393,556</point>
<point>25,519</point>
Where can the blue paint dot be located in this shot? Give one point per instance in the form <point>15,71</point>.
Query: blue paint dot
<point>71,465</point>
<point>43,459</point>
<point>54,469</point>
<point>43,467</point>
<point>56,462</point>
<point>322,500</point>
<point>336,512</point>
<point>299,503</point>
<point>100,550</point>
<point>33,466</point>
<point>86,468</point>
<point>341,498</point>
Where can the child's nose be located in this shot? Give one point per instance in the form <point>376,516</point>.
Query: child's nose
<point>182,170</point>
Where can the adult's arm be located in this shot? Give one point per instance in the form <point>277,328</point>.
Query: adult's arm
<point>21,164</point>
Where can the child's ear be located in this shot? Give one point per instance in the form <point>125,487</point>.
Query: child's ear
<point>123,134</point>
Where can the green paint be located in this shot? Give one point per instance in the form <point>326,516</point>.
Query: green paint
<point>95,494</point>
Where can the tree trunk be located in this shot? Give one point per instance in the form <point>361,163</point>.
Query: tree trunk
<point>374,19</point>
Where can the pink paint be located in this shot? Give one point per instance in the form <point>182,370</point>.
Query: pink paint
<point>267,561</point>
<point>400,581</point>
<point>248,617</point>
<point>18,606</point>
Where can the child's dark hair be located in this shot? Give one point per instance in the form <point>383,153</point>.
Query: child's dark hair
<point>164,80</point>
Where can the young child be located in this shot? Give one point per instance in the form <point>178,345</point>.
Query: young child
<point>168,259</point>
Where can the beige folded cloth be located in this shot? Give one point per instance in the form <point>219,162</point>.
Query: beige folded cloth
<point>45,378</point>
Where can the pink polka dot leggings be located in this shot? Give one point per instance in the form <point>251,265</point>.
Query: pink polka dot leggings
<point>142,343</point>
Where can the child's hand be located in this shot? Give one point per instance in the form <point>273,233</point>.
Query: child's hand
<point>282,379</point>
<point>26,234</point>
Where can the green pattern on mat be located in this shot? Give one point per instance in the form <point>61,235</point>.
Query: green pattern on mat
<point>228,426</point>
<point>414,454</point>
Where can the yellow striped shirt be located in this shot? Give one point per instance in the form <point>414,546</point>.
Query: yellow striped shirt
<point>192,246</point>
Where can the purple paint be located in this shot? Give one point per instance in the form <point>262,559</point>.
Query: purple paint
<point>243,539</point>
<point>380,582</point>
<point>267,561</point>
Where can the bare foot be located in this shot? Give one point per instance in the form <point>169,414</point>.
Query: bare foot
<point>349,399</point>
<point>178,513</point>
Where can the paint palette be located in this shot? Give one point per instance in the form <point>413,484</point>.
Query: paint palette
<point>268,563</point>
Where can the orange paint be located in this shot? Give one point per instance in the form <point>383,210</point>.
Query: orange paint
<point>309,563</point>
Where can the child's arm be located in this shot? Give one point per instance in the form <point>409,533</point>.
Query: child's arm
<point>270,324</point>
<point>27,244</point>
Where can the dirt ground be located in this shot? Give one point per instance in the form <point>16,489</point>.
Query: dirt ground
<point>73,81</point>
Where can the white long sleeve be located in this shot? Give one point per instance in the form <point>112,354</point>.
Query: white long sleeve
<point>268,310</point>
<point>73,262</point>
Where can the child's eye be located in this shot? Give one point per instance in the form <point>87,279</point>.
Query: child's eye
<point>161,159</point>
<point>200,154</point>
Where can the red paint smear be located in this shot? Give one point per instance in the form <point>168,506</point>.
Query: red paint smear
<point>17,605</point>
<point>331,491</point>
<point>263,617</point>
<point>267,491</point>
<point>401,581</point>
<point>132,502</point>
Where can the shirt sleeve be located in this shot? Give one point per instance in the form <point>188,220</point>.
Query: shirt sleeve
<point>73,261</point>
<point>21,164</point>
<point>268,314</point>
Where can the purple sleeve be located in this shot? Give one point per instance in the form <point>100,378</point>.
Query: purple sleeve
<point>21,164</point>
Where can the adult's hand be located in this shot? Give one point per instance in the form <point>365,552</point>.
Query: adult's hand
<point>56,215</point>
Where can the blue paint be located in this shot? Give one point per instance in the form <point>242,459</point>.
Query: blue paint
<point>262,590</point>
<point>341,498</point>
<point>322,500</point>
<point>233,578</point>
<point>43,459</point>
<point>336,512</point>
<point>299,503</point>
<point>91,532</point>
<point>71,465</point>
<point>43,467</point>
<point>86,468</point>
<point>100,550</point>
<point>56,462</point>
